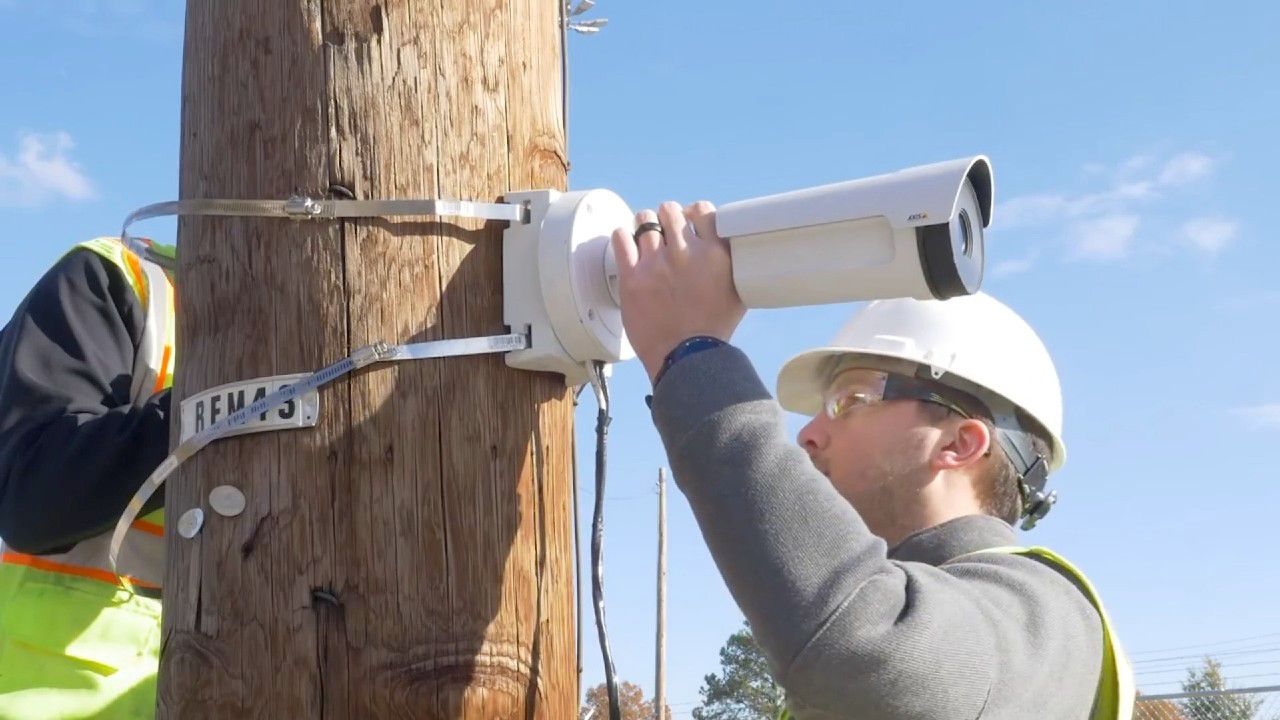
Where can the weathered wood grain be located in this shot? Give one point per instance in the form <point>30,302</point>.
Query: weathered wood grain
<point>411,555</point>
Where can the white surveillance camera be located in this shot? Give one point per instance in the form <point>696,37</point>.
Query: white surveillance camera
<point>912,233</point>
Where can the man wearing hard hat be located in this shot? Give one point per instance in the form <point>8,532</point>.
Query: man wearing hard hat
<point>877,562</point>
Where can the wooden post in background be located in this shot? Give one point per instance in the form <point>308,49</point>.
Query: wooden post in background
<point>411,555</point>
<point>660,661</point>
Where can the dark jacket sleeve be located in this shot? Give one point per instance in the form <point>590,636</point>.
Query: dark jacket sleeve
<point>74,447</point>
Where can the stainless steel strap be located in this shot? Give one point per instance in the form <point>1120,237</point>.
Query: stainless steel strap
<point>301,207</point>
<point>367,355</point>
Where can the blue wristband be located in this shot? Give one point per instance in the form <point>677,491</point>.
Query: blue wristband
<point>692,345</point>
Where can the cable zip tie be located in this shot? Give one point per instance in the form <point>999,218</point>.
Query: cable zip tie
<point>377,352</point>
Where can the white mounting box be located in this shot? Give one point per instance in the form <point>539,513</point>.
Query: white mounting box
<point>559,281</point>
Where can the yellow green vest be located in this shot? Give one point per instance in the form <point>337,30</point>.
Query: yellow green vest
<point>1115,696</point>
<point>73,642</point>
<point>1116,691</point>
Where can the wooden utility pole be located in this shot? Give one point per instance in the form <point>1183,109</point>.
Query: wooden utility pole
<point>411,555</point>
<point>660,661</point>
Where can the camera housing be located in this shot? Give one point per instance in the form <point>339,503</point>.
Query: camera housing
<point>914,233</point>
<point>917,233</point>
<point>555,284</point>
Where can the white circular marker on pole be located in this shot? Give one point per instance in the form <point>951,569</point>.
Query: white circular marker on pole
<point>190,522</point>
<point>227,500</point>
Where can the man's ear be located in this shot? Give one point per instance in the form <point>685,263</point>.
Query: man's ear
<point>966,444</point>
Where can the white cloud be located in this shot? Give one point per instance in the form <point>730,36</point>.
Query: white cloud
<point>1100,224</point>
<point>1133,166</point>
<point>1185,168</point>
<point>1209,234</point>
<point>1260,417</point>
<point>1007,268</point>
<point>1046,209</point>
<point>1132,191</point>
<point>1132,180</point>
<point>1032,210</point>
<point>1104,238</point>
<point>42,170</point>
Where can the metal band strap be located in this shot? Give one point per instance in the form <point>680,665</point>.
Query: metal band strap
<point>367,355</point>
<point>306,208</point>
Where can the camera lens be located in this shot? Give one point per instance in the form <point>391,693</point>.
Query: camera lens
<point>951,252</point>
<point>964,234</point>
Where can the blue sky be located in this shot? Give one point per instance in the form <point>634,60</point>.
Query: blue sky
<point>1134,148</point>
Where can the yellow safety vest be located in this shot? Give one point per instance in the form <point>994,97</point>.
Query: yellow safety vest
<point>1115,696</point>
<point>1116,691</point>
<point>73,642</point>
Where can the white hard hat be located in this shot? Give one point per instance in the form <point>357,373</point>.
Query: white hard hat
<point>973,343</point>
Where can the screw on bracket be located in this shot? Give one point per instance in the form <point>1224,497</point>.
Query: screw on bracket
<point>300,206</point>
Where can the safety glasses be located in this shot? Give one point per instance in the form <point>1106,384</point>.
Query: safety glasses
<point>857,387</point>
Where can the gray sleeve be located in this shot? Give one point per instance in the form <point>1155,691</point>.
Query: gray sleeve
<point>847,631</point>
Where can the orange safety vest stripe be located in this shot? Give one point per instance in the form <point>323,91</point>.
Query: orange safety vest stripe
<point>140,279</point>
<point>163,374</point>
<point>148,527</point>
<point>32,561</point>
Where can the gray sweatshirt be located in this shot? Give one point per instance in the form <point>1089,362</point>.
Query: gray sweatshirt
<point>852,628</point>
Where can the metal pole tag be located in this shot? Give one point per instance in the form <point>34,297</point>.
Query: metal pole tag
<point>206,408</point>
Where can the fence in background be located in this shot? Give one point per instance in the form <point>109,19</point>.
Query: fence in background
<point>1258,703</point>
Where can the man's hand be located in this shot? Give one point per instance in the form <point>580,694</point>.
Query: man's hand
<point>675,284</point>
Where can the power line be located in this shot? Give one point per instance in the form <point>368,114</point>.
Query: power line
<point>1200,656</point>
<point>612,498</point>
<point>1204,645</point>
<point>1224,667</point>
<point>1179,667</point>
<point>1232,678</point>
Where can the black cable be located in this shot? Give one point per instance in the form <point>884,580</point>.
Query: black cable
<point>597,540</point>
<point>577,546</point>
